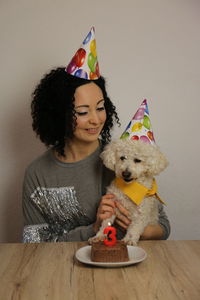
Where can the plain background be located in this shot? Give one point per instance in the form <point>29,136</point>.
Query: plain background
<point>146,49</point>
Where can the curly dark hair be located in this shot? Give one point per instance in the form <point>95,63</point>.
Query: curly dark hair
<point>52,108</point>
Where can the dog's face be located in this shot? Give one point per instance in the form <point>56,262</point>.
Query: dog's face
<point>133,159</point>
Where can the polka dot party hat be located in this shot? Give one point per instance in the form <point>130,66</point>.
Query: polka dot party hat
<point>139,128</point>
<point>84,63</point>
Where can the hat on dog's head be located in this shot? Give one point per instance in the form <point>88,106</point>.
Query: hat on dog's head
<point>139,128</point>
<point>84,63</point>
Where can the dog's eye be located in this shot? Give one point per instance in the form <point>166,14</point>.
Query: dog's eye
<point>136,160</point>
<point>123,157</point>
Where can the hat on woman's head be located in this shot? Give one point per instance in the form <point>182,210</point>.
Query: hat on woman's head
<point>139,128</point>
<point>84,63</point>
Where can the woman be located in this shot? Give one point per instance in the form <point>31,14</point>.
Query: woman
<point>63,188</point>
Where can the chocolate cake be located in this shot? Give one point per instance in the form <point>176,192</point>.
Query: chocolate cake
<point>115,253</point>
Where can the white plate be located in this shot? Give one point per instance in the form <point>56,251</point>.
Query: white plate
<point>136,255</point>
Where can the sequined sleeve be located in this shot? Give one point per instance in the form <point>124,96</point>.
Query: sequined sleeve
<point>54,215</point>
<point>42,233</point>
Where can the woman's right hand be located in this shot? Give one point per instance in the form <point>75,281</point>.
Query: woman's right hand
<point>106,210</point>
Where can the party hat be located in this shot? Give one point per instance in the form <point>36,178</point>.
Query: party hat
<point>84,63</point>
<point>139,128</point>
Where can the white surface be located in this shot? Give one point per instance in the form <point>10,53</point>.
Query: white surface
<point>136,255</point>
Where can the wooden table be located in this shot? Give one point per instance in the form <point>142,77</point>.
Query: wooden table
<point>50,271</point>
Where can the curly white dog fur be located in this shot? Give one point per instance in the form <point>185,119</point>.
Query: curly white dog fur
<point>133,161</point>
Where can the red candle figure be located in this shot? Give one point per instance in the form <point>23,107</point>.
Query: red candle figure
<point>110,233</point>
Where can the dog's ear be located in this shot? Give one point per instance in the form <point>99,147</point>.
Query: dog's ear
<point>108,156</point>
<point>158,162</point>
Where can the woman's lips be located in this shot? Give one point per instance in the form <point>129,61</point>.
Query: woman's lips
<point>92,130</point>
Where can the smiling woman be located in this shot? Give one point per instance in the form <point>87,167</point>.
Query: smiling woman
<point>63,187</point>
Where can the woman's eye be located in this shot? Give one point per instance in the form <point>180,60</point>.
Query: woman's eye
<point>81,113</point>
<point>123,157</point>
<point>136,160</point>
<point>101,108</point>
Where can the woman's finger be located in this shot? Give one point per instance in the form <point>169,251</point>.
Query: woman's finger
<point>106,208</point>
<point>123,219</point>
<point>108,196</point>
<point>108,200</point>
<point>105,215</point>
<point>121,224</point>
<point>122,209</point>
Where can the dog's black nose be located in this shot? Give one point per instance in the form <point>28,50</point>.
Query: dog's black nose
<point>126,174</point>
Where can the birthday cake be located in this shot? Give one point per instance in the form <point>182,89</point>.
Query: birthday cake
<point>103,253</point>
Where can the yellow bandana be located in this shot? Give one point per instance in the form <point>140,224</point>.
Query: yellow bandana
<point>136,191</point>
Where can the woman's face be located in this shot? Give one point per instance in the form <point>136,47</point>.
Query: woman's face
<point>90,112</point>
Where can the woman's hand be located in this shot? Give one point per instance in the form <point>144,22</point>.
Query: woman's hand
<point>123,216</point>
<point>106,210</point>
<point>109,206</point>
<point>152,232</point>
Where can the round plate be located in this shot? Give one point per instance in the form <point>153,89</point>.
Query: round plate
<point>136,255</point>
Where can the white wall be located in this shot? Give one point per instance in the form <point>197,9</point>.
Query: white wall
<point>147,49</point>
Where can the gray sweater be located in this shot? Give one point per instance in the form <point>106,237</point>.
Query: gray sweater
<point>60,200</point>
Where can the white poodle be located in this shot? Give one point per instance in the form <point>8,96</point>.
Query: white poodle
<point>133,161</point>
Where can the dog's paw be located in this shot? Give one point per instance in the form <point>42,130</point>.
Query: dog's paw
<point>96,239</point>
<point>130,242</point>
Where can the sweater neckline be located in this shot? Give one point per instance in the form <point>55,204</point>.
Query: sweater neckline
<point>90,157</point>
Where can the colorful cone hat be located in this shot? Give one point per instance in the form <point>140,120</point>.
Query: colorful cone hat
<point>139,128</point>
<point>84,63</point>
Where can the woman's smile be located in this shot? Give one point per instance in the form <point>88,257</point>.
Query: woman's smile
<point>92,130</point>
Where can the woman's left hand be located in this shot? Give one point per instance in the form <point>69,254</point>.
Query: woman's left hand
<point>152,232</point>
<point>123,220</point>
<point>123,216</point>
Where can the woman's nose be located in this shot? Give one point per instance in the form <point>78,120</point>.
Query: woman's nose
<point>94,119</point>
